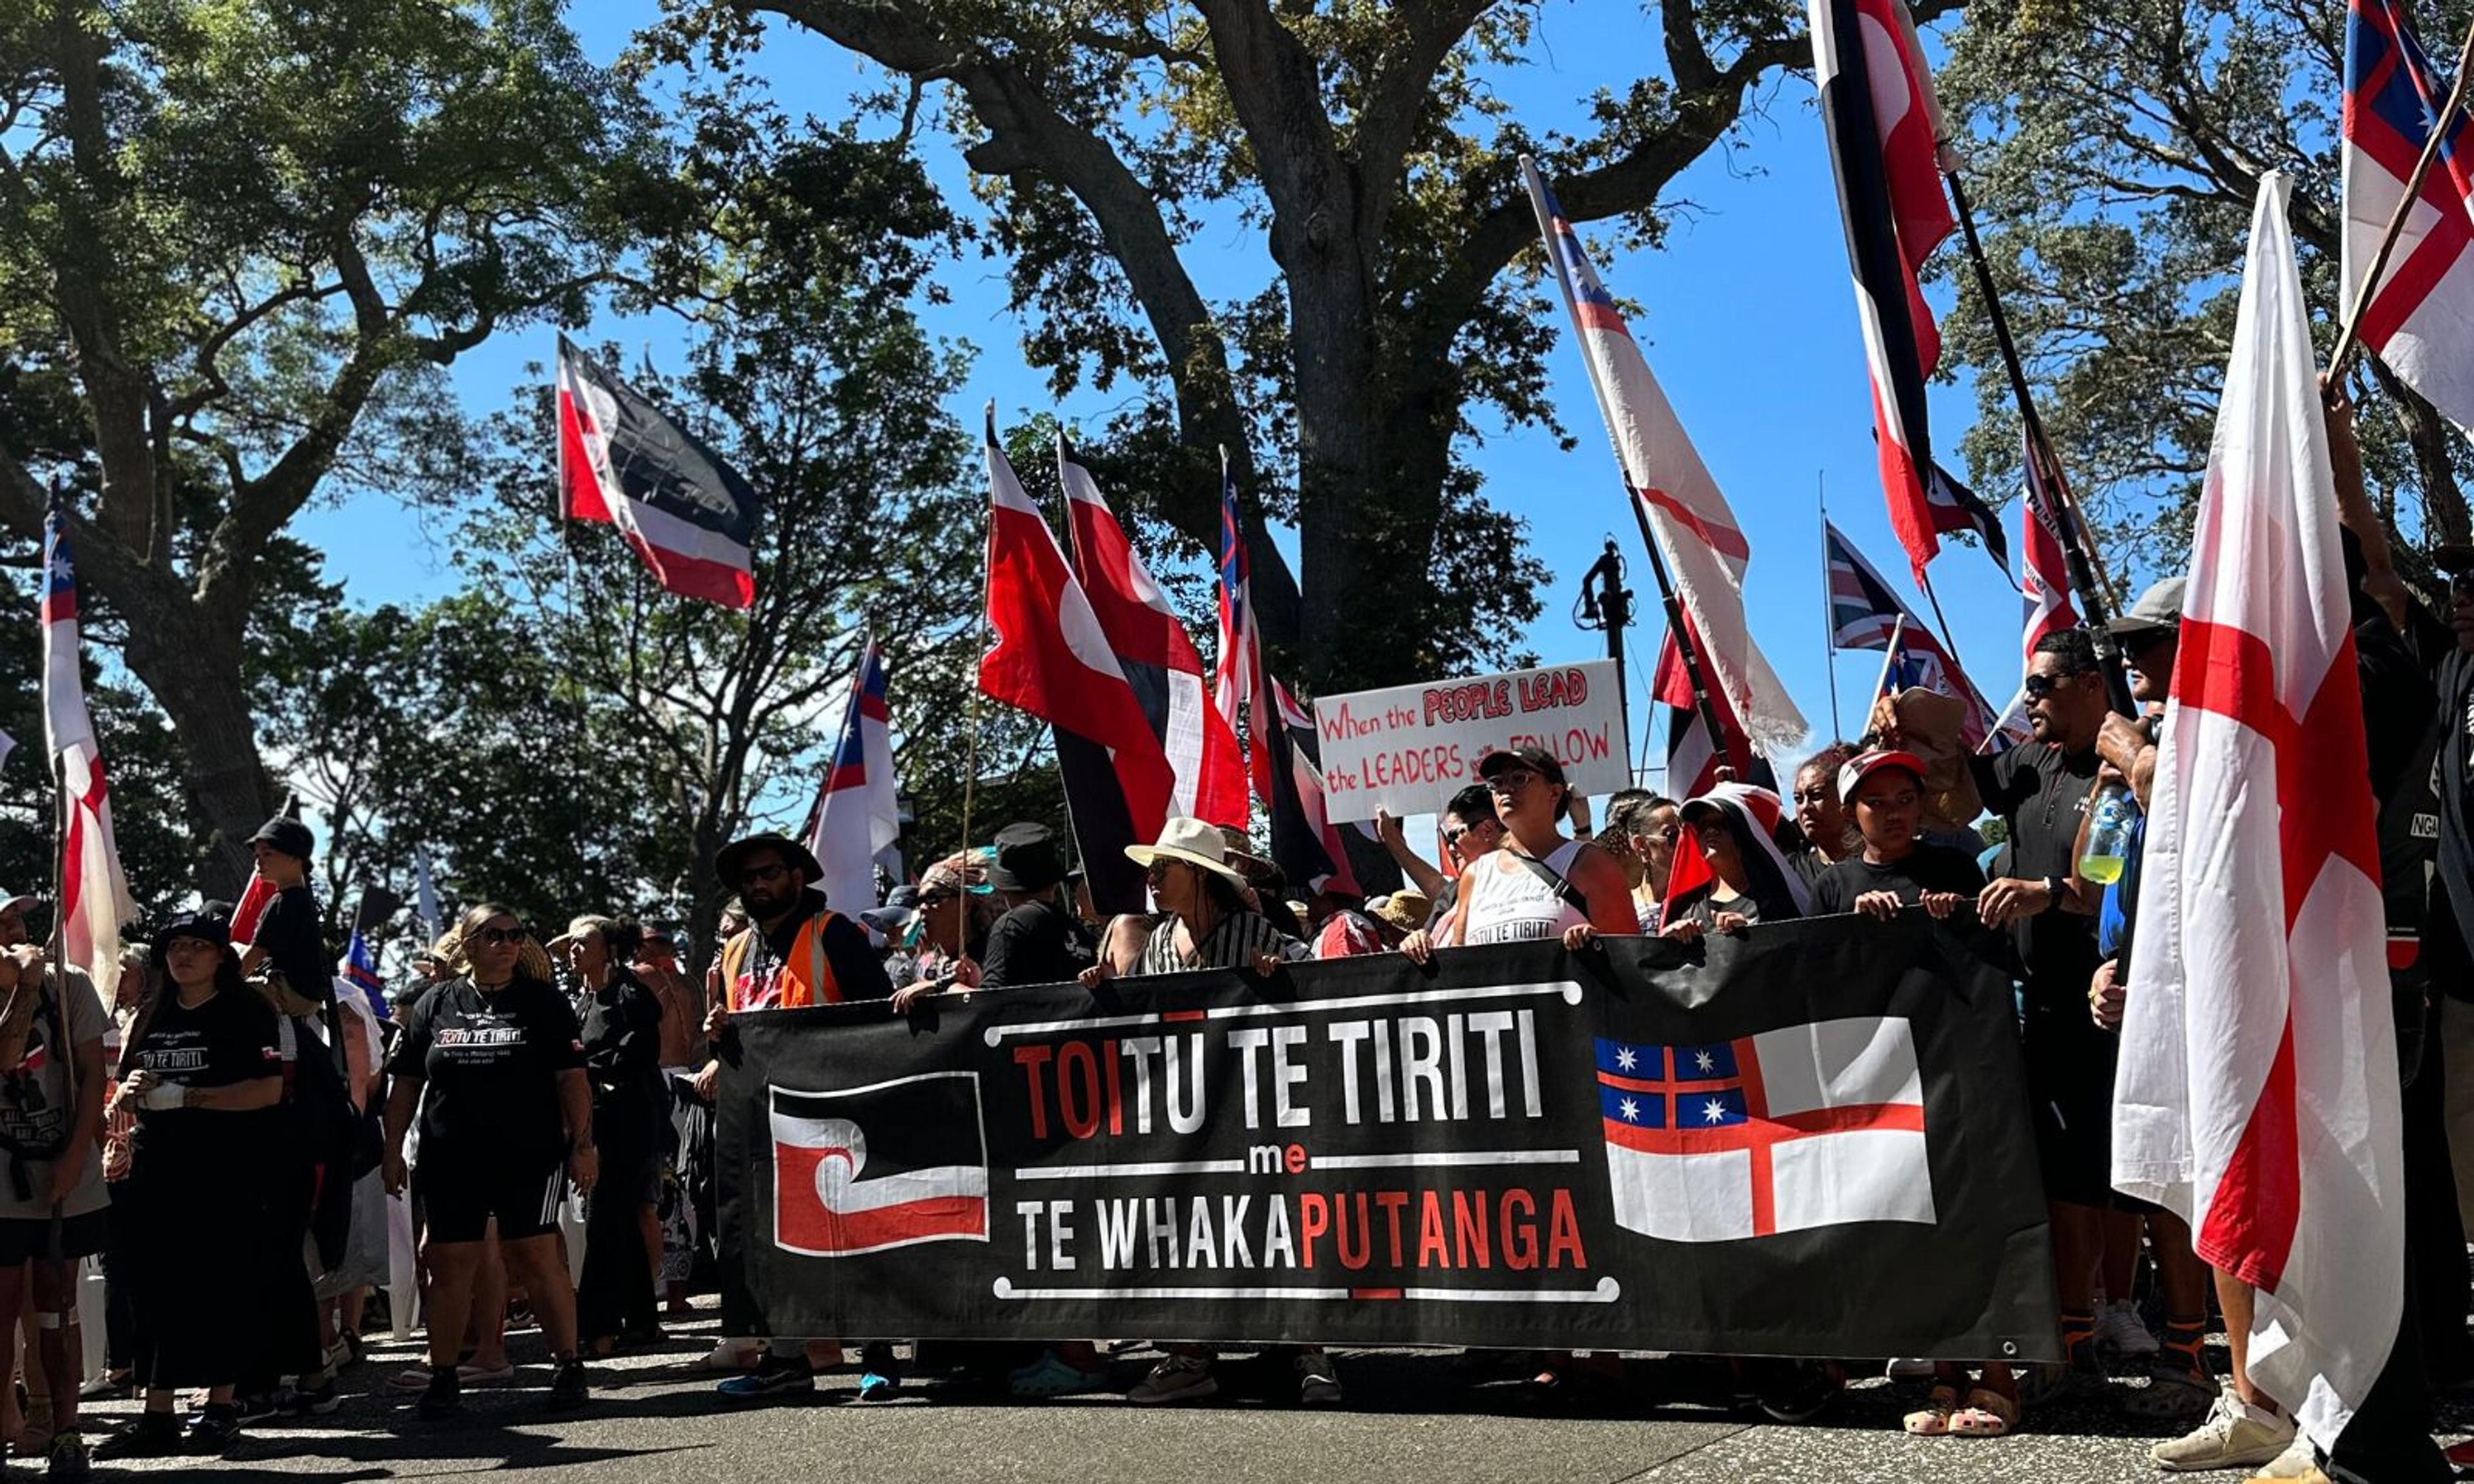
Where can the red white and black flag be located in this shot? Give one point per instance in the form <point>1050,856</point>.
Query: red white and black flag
<point>1051,659</point>
<point>624,462</point>
<point>1155,651</point>
<point>1884,129</point>
<point>1692,764</point>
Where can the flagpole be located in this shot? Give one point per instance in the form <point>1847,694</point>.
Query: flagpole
<point>56,941</point>
<point>1686,642</point>
<point>2348,337</point>
<point>2075,540</point>
<point>979,646</point>
<point>1828,609</point>
<point>1890,654</point>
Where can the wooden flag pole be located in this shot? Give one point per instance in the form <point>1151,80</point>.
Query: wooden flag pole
<point>2347,337</point>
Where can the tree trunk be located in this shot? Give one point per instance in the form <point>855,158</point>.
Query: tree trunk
<point>197,678</point>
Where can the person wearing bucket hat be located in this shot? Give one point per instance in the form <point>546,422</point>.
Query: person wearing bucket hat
<point>289,934</point>
<point>1039,941</point>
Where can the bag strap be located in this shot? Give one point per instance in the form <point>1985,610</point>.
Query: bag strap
<point>1564,891</point>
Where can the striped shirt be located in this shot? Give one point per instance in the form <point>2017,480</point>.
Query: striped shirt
<point>1237,941</point>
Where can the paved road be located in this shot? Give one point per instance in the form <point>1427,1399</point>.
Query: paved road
<point>1410,1417</point>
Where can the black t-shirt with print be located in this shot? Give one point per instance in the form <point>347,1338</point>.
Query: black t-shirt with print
<point>232,1037</point>
<point>490,1064</point>
<point>288,931</point>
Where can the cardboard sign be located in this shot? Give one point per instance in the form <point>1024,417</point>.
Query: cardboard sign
<point>1407,747</point>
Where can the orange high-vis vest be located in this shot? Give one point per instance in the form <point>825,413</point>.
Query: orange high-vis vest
<point>806,977</point>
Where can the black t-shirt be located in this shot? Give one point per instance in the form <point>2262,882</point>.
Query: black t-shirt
<point>1928,868</point>
<point>2038,790</point>
<point>489,1065</point>
<point>1037,943</point>
<point>229,1038</point>
<point>288,931</point>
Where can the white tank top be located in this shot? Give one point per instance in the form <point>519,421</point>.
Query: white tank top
<point>1507,901</point>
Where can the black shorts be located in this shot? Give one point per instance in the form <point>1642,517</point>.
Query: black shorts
<point>25,1238</point>
<point>457,1203</point>
<point>2069,1090</point>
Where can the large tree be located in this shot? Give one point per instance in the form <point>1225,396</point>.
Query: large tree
<point>231,232</point>
<point>2117,148</point>
<point>1362,148</point>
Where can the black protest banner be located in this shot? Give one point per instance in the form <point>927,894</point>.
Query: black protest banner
<point>1809,1140</point>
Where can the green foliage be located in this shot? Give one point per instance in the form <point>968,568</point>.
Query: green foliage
<point>2115,148</point>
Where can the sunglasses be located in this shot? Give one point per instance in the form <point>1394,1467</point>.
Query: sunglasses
<point>2039,686</point>
<point>500,937</point>
<point>758,876</point>
<point>1668,835</point>
<point>929,899</point>
<point>1454,836</point>
<point>1511,780</point>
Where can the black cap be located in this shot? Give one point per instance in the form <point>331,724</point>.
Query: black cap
<point>195,924</point>
<point>288,836</point>
<point>1537,759</point>
<point>1026,859</point>
<point>727,860</point>
<point>2454,560</point>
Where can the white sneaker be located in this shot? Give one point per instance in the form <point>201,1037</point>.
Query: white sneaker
<point>2234,1436</point>
<point>2119,1328</point>
<point>2296,1462</point>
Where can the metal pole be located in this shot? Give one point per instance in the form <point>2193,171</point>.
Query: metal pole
<point>1829,608</point>
<point>2093,605</point>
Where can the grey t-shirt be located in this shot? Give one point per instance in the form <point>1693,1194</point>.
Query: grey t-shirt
<point>35,1108</point>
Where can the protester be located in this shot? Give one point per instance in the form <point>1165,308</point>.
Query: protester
<point>1735,827</point>
<point>622,1027</point>
<point>1038,940</point>
<point>796,951</point>
<point>493,1060</point>
<point>290,935</point>
<point>1538,884</point>
<point>1208,925</point>
<point>1893,869</point>
<point>1470,833</point>
<point>1641,833</point>
<point>52,1078</point>
<point>1821,814</point>
<point>2037,789</point>
<point>201,1071</point>
<point>957,909</point>
<point>683,1009</point>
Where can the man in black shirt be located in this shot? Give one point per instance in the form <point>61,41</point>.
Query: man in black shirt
<point>289,934</point>
<point>1037,941</point>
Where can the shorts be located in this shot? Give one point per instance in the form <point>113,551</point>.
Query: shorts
<point>25,1238</point>
<point>2069,1092</point>
<point>457,1204</point>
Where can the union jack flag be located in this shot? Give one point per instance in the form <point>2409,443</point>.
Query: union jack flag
<point>1864,614</point>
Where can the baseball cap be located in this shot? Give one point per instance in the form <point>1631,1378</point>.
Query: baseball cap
<point>2159,607</point>
<point>1863,766</point>
<point>1537,759</point>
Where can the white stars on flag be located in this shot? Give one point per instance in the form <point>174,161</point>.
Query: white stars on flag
<point>1630,1109</point>
<point>1705,1061</point>
<point>1713,1112</point>
<point>1626,1057</point>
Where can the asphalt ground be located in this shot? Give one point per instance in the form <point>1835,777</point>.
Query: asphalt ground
<point>1416,1417</point>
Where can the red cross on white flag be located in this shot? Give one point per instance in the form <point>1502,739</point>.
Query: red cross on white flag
<point>2257,1093</point>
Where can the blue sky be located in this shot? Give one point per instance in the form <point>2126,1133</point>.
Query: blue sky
<point>1746,316</point>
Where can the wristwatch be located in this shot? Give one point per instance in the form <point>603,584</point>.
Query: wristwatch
<point>2053,890</point>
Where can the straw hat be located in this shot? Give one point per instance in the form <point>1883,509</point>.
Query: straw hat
<point>1191,841</point>
<point>1406,909</point>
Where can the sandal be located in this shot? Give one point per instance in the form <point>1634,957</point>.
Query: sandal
<point>411,1378</point>
<point>1988,1414</point>
<point>1933,1421</point>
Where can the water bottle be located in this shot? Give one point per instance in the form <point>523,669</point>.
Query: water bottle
<point>2109,841</point>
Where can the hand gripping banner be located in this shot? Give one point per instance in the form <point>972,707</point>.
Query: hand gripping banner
<point>1810,1140</point>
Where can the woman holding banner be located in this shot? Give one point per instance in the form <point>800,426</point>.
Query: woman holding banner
<point>1540,884</point>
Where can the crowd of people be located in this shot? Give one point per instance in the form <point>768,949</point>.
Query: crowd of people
<point>226,1131</point>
